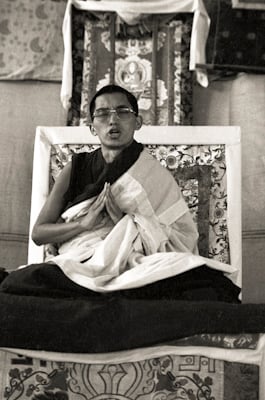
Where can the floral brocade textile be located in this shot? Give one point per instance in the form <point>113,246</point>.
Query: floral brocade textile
<point>200,171</point>
<point>150,59</point>
<point>170,377</point>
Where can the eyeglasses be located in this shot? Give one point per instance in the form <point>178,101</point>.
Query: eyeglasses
<point>103,114</point>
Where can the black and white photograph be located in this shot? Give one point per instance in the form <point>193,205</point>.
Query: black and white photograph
<point>132,223</point>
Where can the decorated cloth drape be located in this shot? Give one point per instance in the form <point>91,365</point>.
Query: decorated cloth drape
<point>31,40</point>
<point>153,65</point>
<point>141,379</point>
<point>236,37</point>
<point>148,54</point>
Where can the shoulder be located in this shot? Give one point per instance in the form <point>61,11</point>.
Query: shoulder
<point>64,176</point>
<point>149,168</point>
<point>82,159</point>
<point>84,155</point>
<point>153,162</point>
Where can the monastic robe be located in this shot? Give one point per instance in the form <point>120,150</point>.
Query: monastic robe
<point>155,239</point>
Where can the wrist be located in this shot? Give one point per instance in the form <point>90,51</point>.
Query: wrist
<point>80,227</point>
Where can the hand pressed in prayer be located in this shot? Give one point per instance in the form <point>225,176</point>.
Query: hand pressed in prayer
<point>112,208</point>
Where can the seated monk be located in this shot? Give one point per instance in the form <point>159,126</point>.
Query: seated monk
<point>120,221</point>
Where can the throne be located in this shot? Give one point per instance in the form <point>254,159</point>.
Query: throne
<point>205,161</point>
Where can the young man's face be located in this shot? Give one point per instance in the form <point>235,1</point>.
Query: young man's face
<point>115,133</point>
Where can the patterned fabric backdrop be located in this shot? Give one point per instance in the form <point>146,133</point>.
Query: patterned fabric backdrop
<point>236,36</point>
<point>151,59</point>
<point>31,42</point>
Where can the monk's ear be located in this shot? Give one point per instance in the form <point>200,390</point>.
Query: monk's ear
<point>93,130</point>
<point>139,122</point>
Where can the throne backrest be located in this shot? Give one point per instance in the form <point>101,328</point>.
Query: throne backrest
<point>205,161</point>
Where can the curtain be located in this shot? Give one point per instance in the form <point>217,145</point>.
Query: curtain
<point>31,41</point>
<point>236,37</point>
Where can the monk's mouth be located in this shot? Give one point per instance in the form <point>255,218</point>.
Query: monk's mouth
<point>114,133</point>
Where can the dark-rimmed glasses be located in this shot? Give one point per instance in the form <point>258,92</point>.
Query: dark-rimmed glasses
<point>103,114</point>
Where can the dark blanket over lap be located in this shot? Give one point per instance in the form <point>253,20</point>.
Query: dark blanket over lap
<point>77,320</point>
<point>47,280</point>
